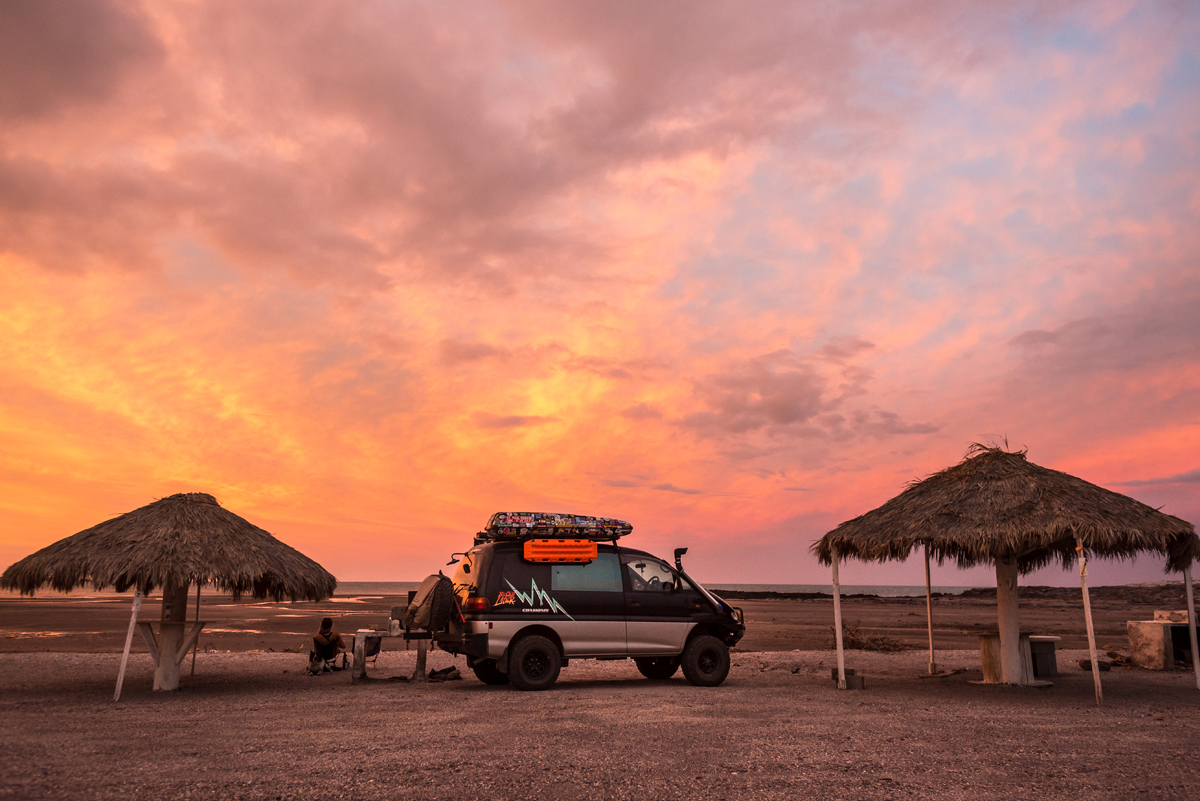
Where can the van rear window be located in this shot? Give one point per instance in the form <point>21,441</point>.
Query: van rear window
<point>602,574</point>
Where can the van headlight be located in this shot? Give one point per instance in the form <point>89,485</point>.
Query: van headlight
<point>737,615</point>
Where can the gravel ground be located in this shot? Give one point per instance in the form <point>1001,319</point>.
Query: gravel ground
<point>256,726</point>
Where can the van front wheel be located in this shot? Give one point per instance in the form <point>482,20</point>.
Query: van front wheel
<point>533,663</point>
<point>705,661</point>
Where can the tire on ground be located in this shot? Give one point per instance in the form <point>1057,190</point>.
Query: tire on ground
<point>487,672</point>
<point>657,667</point>
<point>533,663</point>
<point>705,661</point>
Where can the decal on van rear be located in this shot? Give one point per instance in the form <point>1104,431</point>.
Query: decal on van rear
<point>537,598</point>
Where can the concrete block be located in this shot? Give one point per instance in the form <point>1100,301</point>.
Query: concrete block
<point>1150,644</point>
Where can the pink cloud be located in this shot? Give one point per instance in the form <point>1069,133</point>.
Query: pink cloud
<point>348,264</point>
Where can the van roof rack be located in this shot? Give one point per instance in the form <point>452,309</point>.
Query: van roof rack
<point>551,525</point>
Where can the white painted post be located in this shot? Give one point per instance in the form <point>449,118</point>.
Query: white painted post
<point>137,606</point>
<point>929,611</point>
<point>1087,616</point>
<point>1191,602</point>
<point>837,624</point>
<point>196,647</point>
<point>1008,617</point>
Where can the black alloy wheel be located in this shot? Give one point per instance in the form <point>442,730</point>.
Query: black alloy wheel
<point>705,661</point>
<point>533,663</point>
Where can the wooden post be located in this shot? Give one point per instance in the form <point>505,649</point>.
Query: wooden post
<point>929,611</point>
<point>137,606</point>
<point>1008,616</point>
<point>1087,616</point>
<point>358,667</point>
<point>170,637</point>
<point>1191,603</point>
<point>837,624</point>
<point>196,647</point>
<point>422,649</point>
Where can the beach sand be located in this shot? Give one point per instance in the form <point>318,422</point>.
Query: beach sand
<point>252,724</point>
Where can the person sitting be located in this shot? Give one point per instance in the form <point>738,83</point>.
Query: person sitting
<point>326,646</point>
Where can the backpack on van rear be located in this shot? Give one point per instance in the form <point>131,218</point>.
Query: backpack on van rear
<point>432,606</point>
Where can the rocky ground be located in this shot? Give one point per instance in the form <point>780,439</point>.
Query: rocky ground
<point>256,726</point>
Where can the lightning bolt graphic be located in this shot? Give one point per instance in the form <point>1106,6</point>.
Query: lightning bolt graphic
<point>538,597</point>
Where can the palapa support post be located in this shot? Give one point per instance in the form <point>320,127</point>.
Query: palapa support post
<point>170,637</point>
<point>929,611</point>
<point>837,624</point>
<point>1191,607</point>
<point>137,607</point>
<point>1009,619</point>
<point>1087,617</point>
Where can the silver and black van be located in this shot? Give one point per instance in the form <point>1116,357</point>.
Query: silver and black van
<point>538,590</point>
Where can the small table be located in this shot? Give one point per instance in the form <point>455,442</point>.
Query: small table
<point>358,667</point>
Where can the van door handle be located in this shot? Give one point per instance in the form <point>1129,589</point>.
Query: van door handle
<point>634,603</point>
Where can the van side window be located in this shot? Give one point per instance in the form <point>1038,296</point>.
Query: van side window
<point>602,574</point>
<point>650,575</point>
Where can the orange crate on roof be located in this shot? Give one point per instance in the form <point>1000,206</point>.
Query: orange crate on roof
<point>568,551</point>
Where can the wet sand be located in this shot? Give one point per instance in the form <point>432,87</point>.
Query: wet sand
<point>97,624</point>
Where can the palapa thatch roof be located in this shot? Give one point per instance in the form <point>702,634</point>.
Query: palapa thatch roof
<point>181,540</point>
<point>998,504</point>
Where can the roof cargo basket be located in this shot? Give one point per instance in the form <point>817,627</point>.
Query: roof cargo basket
<point>518,526</point>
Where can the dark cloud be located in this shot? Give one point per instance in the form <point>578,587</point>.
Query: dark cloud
<point>622,483</point>
<point>454,352</point>
<point>673,488</point>
<point>484,420</point>
<point>612,368</point>
<point>785,396</point>
<point>842,349</point>
<point>55,54</point>
<point>1158,329</point>
<point>641,412</point>
<point>1190,477</point>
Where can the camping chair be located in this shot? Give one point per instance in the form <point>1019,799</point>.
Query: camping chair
<point>371,649</point>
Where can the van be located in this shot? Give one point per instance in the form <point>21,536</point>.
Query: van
<point>538,590</point>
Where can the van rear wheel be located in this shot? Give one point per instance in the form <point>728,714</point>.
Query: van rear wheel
<point>533,663</point>
<point>657,667</point>
<point>705,661</point>
<point>487,672</point>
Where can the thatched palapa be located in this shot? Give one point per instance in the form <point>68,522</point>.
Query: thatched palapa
<point>996,507</point>
<point>173,543</point>
<point>997,503</point>
<point>182,540</point>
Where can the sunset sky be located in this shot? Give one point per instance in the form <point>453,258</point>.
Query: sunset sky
<point>369,272</point>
